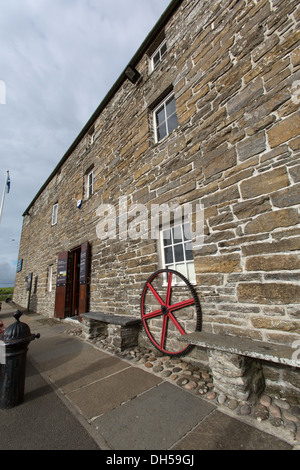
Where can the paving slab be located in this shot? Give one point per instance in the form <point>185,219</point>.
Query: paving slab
<point>89,366</point>
<point>106,394</point>
<point>56,347</point>
<point>218,431</point>
<point>42,421</point>
<point>155,420</point>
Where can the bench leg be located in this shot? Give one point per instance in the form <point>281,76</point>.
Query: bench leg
<point>92,329</point>
<point>122,337</point>
<point>236,376</point>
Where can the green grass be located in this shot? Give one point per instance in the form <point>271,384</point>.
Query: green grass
<point>6,292</point>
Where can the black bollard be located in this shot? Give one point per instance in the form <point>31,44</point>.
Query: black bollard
<point>16,339</point>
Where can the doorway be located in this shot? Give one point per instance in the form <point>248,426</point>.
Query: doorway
<point>72,283</point>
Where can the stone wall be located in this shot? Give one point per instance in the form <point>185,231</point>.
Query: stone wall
<point>235,68</point>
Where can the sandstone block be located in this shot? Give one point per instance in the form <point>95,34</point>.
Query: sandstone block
<point>268,293</point>
<point>288,244</point>
<point>275,324</point>
<point>271,220</point>
<point>265,183</point>
<point>218,160</point>
<point>252,207</point>
<point>273,263</point>
<point>220,197</point>
<point>253,91</point>
<point>287,197</point>
<point>295,173</point>
<point>251,146</point>
<point>284,130</point>
<point>218,264</point>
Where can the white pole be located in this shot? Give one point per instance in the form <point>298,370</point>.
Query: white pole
<point>3,196</point>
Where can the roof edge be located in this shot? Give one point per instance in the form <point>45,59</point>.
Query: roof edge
<point>172,7</point>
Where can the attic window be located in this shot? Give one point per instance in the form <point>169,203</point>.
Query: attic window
<point>158,55</point>
<point>157,50</point>
<point>54,213</point>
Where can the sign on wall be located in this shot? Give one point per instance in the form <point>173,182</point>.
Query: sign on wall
<point>61,272</point>
<point>19,265</point>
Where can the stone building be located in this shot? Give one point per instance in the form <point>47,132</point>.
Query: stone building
<point>207,112</point>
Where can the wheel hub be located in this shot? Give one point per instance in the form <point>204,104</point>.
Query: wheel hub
<point>164,310</point>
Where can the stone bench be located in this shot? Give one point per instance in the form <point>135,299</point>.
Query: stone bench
<point>235,362</point>
<point>119,330</point>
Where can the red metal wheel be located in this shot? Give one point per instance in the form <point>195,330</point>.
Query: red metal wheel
<point>169,308</point>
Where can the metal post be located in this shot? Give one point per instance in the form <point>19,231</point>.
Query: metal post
<point>3,196</point>
<point>29,285</point>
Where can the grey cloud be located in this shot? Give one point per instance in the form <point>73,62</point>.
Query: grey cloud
<point>58,60</point>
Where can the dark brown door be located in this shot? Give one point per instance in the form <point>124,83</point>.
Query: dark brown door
<point>72,284</point>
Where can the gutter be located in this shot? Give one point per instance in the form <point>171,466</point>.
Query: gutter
<point>170,10</point>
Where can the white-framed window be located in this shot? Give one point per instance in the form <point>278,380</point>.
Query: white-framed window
<point>50,278</point>
<point>54,213</point>
<point>177,250</point>
<point>90,178</point>
<point>165,118</point>
<point>158,55</point>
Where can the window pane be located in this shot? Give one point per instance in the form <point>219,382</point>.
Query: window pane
<point>170,106</point>
<point>172,123</point>
<point>191,272</point>
<point>54,214</point>
<point>177,234</point>
<point>167,237</point>
<point>168,255</point>
<point>181,269</point>
<point>178,250</point>
<point>187,232</point>
<point>161,131</point>
<point>160,116</point>
<point>156,59</point>
<point>90,184</point>
<point>189,251</point>
<point>163,49</point>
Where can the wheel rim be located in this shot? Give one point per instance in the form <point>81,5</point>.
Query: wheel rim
<point>169,309</point>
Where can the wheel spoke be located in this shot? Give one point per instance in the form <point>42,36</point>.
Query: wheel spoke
<point>179,328</point>
<point>168,296</point>
<point>163,332</point>
<point>183,304</point>
<point>156,295</point>
<point>155,313</point>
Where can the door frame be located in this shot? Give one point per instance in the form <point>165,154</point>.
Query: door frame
<point>72,283</point>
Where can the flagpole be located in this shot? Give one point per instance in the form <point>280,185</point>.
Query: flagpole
<point>3,196</point>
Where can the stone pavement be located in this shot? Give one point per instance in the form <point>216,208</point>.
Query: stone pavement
<point>80,397</point>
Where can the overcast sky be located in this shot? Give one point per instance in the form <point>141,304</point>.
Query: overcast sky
<point>58,59</point>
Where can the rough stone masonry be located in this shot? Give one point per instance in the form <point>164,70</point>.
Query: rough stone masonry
<point>234,68</point>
